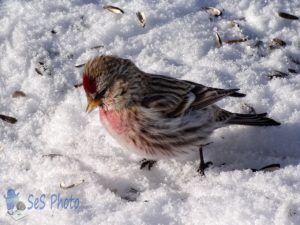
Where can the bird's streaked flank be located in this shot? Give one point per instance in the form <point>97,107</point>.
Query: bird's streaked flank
<point>158,116</point>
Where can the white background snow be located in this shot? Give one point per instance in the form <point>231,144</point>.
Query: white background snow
<point>178,41</point>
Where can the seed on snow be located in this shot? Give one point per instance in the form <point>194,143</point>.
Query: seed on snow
<point>80,65</point>
<point>142,18</point>
<point>52,155</point>
<point>233,24</point>
<point>293,71</point>
<point>276,43</point>
<point>38,71</point>
<point>97,46</point>
<point>235,41</point>
<point>277,74</point>
<point>113,9</point>
<point>64,186</point>
<point>287,16</point>
<point>218,40</point>
<point>8,119</point>
<point>213,11</point>
<point>17,94</point>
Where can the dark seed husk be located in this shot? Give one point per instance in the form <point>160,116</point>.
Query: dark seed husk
<point>241,18</point>
<point>38,71</point>
<point>17,94</point>
<point>78,85</point>
<point>268,168</point>
<point>62,186</point>
<point>141,17</point>
<point>292,70</point>
<point>97,46</point>
<point>81,65</point>
<point>277,43</point>
<point>52,155</point>
<point>113,9</point>
<point>287,16</point>
<point>235,41</point>
<point>277,74</point>
<point>8,119</point>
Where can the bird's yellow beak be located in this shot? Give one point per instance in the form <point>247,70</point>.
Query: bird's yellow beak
<point>92,104</point>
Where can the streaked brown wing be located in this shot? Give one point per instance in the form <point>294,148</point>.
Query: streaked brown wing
<point>173,97</point>
<point>206,96</point>
<point>167,95</point>
<point>234,94</point>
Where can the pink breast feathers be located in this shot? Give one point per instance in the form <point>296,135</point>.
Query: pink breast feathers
<point>116,121</point>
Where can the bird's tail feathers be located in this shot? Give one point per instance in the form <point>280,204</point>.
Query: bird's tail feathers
<point>252,120</point>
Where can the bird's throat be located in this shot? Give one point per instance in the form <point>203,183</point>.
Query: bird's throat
<point>115,121</point>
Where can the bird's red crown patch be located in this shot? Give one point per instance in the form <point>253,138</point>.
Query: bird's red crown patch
<point>89,84</point>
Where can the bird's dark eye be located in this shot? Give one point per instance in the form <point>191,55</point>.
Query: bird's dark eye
<point>100,94</point>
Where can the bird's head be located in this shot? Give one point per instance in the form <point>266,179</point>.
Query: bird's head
<point>99,77</point>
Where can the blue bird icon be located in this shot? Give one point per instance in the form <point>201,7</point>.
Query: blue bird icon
<point>11,199</point>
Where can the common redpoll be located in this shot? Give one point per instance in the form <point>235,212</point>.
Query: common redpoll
<point>158,116</point>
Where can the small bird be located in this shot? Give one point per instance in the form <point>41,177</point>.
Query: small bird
<point>157,116</point>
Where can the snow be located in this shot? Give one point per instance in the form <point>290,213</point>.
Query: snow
<point>178,41</point>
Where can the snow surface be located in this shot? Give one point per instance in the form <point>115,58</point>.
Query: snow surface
<point>178,41</point>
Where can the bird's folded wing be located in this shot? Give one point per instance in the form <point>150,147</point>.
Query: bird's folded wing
<point>234,94</point>
<point>206,96</point>
<point>173,97</point>
<point>168,104</point>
